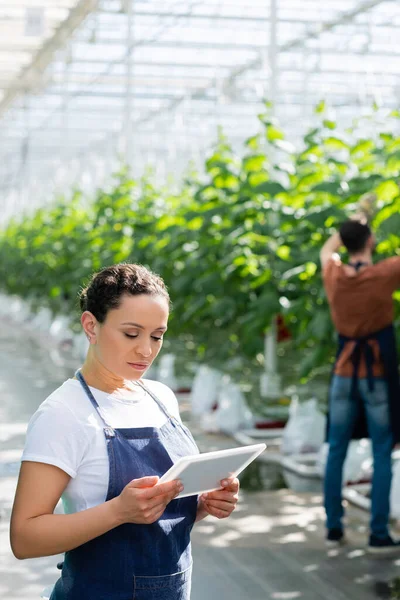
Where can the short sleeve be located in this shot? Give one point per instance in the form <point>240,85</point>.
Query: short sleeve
<point>55,437</point>
<point>390,269</point>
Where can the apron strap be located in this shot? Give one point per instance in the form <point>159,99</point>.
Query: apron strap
<point>172,418</point>
<point>92,399</point>
<point>157,401</point>
<point>357,266</point>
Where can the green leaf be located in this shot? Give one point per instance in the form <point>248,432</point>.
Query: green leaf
<point>274,133</point>
<point>311,359</point>
<point>362,147</point>
<point>254,163</point>
<point>253,142</point>
<point>283,252</point>
<point>335,143</point>
<point>387,190</point>
<point>330,187</point>
<point>329,124</point>
<point>391,225</point>
<point>272,188</point>
<point>320,325</point>
<point>261,279</point>
<point>310,139</point>
<point>320,108</point>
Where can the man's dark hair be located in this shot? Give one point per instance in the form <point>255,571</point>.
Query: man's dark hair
<point>354,235</point>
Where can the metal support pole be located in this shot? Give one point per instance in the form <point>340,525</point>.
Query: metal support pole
<point>23,174</point>
<point>270,384</point>
<point>64,112</point>
<point>128,122</point>
<point>273,52</point>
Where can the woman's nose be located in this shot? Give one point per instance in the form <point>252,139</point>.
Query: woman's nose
<point>144,349</point>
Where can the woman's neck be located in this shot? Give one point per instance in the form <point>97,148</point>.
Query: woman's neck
<point>98,376</point>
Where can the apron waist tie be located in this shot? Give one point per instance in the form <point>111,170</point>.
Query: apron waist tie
<point>362,348</point>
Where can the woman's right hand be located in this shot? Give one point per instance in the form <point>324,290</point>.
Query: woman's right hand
<point>143,501</point>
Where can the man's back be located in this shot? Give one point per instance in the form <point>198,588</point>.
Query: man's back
<point>361,303</point>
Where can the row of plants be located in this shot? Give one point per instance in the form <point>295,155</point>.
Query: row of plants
<point>236,245</point>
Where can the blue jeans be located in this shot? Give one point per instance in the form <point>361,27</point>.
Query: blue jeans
<point>343,414</point>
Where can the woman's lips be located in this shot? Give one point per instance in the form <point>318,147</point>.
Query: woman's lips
<point>139,366</point>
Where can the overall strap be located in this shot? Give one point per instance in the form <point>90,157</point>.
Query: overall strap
<point>156,400</point>
<point>172,418</point>
<point>357,266</point>
<point>92,399</point>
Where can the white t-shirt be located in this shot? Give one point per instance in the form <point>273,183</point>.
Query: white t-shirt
<point>66,431</point>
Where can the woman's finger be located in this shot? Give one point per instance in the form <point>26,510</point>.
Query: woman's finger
<point>222,495</point>
<point>231,484</point>
<point>155,512</point>
<point>220,505</point>
<point>218,512</point>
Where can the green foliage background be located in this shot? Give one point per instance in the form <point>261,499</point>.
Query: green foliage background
<point>235,246</point>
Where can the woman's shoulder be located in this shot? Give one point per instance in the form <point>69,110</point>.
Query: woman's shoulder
<point>64,400</point>
<point>57,434</point>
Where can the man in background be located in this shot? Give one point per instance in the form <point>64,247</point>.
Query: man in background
<point>364,398</point>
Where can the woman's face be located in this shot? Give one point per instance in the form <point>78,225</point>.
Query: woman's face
<point>132,335</point>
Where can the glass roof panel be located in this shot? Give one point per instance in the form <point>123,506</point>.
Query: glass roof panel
<point>25,26</point>
<point>187,67</point>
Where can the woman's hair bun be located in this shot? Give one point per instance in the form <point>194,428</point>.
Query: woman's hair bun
<point>83,299</point>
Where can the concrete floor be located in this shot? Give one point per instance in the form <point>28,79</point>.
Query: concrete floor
<point>271,548</point>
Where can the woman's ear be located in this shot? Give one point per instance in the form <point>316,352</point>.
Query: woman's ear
<point>89,324</point>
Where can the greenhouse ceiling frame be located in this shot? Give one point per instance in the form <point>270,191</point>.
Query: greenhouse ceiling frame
<point>29,78</point>
<point>81,98</point>
<point>34,71</point>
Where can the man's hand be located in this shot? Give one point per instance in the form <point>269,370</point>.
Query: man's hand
<point>361,217</point>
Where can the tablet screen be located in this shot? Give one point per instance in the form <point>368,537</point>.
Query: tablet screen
<point>204,472</point>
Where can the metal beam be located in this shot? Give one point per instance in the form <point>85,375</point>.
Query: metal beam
<point>346,17</point>
<point>45,55</point>
<point>343,18</point>
<point>47,4</point>
<point>302,40</point>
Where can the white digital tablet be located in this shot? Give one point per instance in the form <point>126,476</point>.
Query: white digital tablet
<point>203,472</point>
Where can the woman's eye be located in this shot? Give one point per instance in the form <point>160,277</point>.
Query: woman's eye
<point>153,337</point>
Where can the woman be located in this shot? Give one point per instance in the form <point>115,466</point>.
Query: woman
<point>101,441</point>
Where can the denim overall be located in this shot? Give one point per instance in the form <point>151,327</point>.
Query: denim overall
<point>136,562</point>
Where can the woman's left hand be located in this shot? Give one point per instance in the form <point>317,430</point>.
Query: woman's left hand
<point>220,503</point>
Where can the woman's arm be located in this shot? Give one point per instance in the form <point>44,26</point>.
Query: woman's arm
<point>36,531</point>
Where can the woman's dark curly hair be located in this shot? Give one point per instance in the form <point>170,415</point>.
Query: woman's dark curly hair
<point>106,288</point>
